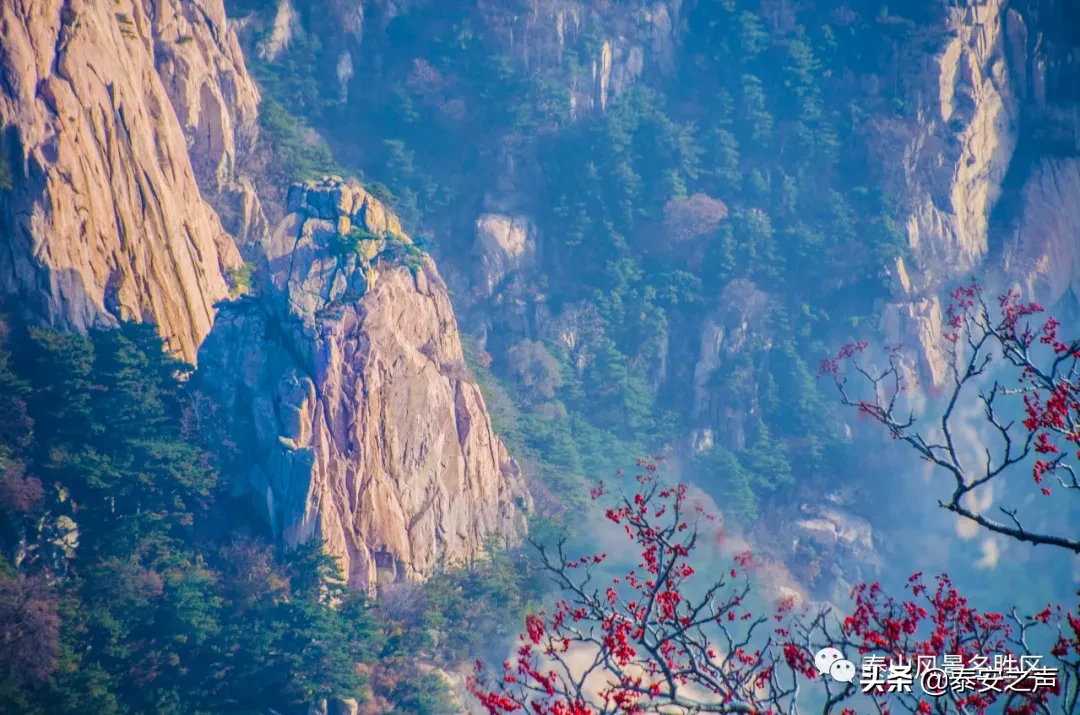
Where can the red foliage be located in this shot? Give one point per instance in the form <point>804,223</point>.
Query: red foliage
<point>19,494</point>
<point>939,622</point>
<point>644,635</point>
<point>645,643</point>
<point>29,629</point>
<point>1045,376</point>
<point>694,217</point>
<point>655,640</point>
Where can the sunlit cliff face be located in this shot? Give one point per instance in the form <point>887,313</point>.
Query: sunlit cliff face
<point>642,223</point>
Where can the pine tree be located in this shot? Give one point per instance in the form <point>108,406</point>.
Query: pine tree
<point>724,159</point>
<point>754,110</point>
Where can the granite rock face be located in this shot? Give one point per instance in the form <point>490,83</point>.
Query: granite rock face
<point>105,220</point>
<point>202,67</point>
<point>504,245</point>
<point>343,378</point>
<point>951,168</point>
<point>198,57</point>
<point>984,90</point>
<point>954,182</point>
<point>1043,250</point>
<point>285,27</point>
<point>731,329</point>
<point>638,35</point>
<point>346,383</point>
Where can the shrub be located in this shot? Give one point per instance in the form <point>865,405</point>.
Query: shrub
<point>693,217</point>
<point>299,153</point>
<point>241,278</point>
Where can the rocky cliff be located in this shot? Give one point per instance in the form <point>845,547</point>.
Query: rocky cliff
<point>126,125</point>
<point>105,220</point>
<point>983,102</point>
<point>199,61</point>
<point>630,37</point>
<point>345,384</point>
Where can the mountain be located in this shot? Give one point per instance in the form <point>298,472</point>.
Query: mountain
<point>990,96</point>
<point>571,233</point>
<point>1000,86</point>
<point>654,218</point>
<point>105,220</point>
<point>988,117</point>
<point>346,383</point>
<point>126,126</point>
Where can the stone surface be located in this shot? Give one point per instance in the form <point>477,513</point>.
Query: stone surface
<point>1043,251</point>
<point>964,145</point>
<point>831,527</point>
<point>988,86</point>
<point>344,378</point>
<point>105,219</point>
<point>917,325</point>
<point>335,706</point>
<point>199,60</point>
<point>505,245</point>
<point>346,384</point>
<point>730,330</point>
<point>200,63</point>
<point>638,34</point>
<point>953,167</point>
<point>286,26</point>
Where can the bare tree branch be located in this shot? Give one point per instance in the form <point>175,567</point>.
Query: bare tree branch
<point>1046,372</point>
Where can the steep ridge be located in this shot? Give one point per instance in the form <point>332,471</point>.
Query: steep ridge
<point>951,151</point>
<point>199,60</point>
<point>983,87</point>
<point>344,382</point>
<point>126,125</point>
<point>980,97</point>
<point>105,220</point>
<point>638,36</point>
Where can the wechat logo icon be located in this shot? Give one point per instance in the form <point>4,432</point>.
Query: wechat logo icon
<point>830,661</point>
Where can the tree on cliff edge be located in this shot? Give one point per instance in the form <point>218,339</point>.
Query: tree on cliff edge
<point>664,638</point>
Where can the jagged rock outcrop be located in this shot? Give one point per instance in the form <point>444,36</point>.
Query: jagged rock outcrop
<point>340,25</point>
<point>346,384</point>
<point>1043,253</point>
<point>843,544</point>
<point>951,171</point>
<point>986,91</point>
<point>105,219</point>
<point>966,139</point>
<point>344,380</point>
<point>918,324</point>
<point>504,245</point>
<point>199,60</point>
<point>635,35</point>
<point>200,63</point>
<point>731,330</point>
<point>286,26</point>
<point>502,300</point>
